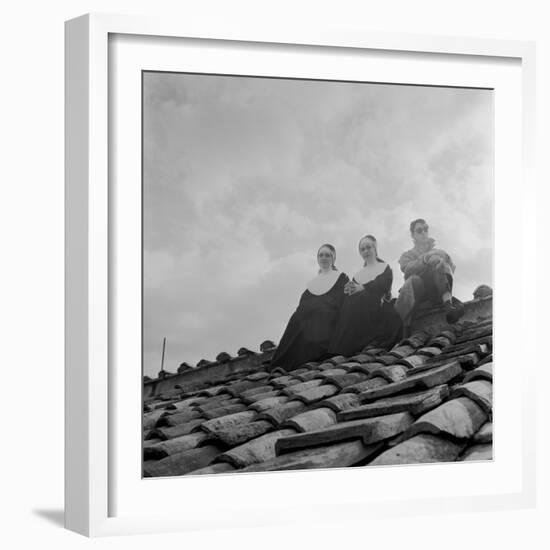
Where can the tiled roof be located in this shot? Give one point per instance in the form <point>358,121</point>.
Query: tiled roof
<point>427,399</point>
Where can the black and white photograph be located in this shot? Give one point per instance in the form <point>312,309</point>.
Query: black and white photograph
<point>317,274</point>
<point>254,248</point>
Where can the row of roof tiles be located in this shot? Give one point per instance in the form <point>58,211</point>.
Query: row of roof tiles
<point>222,357</point>
<point>428,399</point>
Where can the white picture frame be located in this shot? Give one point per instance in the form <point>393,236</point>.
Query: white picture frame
<point>98,500</point>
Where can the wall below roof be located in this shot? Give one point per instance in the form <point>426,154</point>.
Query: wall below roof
<point>197,378</point>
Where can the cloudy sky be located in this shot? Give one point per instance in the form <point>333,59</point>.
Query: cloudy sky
<point>244,178</point>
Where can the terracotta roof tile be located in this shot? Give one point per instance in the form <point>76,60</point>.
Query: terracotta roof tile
<point>440,341</point>
<point>469,361</point>
<point>416,340</point>
<point>223,357</point>
<point>391,373</point>
<point>370,430</point>
<point>301,370</point>
<point>216,402</point>
<point>486,359</point>
<point>429,351</point>
<point>213,390</point>
<point>414,361</point>
<point>331,372</point>
<point>255,391</point>
<point>479,391</point>
<point>348,365</point>
<point>278,414</point>
<point>181,463</point>
<point>187,402</point>
<point>485,434</point>
<point>373,350</point>
<point>362,358</point>
<point>245,351</point>
<point>268,403</point>
<point>174,419</point>
<point>224,410</point>
<point>223,423</point>
<point>367,368</point>
<point>478,452</point>
<point>340,402</point>
<point>175,445</point>
<point>337,359</point>
<point>339,455</point>
<point>237,434</point>
<point>367,385</point>
<point>423,380</point>
<point>267,345</point>
<point>311,420</point>
<point>459,418</point>
<point>311,395</point>
<point>283,381</point>
<point>420,449</point>
<point>218,468</point>
<point>307,376</point>
<point>171,395</point>
<point>175,431</point>
<point>261,375</point>
<point>325,366</point>
<point>482,345</point>
<point>239,387</point>
<point>402,351</point>
<point>297,388</point>
<point>278,371</point>
<point>258,450</point>
<point>162,403</point>
<point>485,372</point>
<point>150,419</point>
<point>481,331</point>
<point>345,380</point>
<point>429,365</point>
<point>149,442</point>
<point>416,403</point>
<point>387,359</point>
<point>261,396</point>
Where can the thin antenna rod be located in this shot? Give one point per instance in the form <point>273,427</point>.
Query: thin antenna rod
<point>163,348</point>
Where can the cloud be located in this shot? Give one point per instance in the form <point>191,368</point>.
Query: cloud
<point>244,178</point>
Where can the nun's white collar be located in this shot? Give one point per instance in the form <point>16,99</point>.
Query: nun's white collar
<point>323,282</point>
<point>368,273</point>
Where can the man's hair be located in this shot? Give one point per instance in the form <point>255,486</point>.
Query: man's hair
<point>414,222</point>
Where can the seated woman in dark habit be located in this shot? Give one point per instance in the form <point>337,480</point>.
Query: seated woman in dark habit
<point>308,332</point>
<point>367,316</point>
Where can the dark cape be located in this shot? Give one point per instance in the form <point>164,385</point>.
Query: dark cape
<point>365,318</point>
<point>310,328</point>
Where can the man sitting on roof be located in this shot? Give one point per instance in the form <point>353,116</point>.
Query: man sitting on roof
<point>428,277</point>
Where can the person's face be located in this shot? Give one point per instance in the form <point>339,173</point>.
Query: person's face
<point>324,258</point>
<point>420,233</point>
<point>366,249</point>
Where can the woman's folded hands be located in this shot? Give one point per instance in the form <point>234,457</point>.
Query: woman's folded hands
<point>352,287</point>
